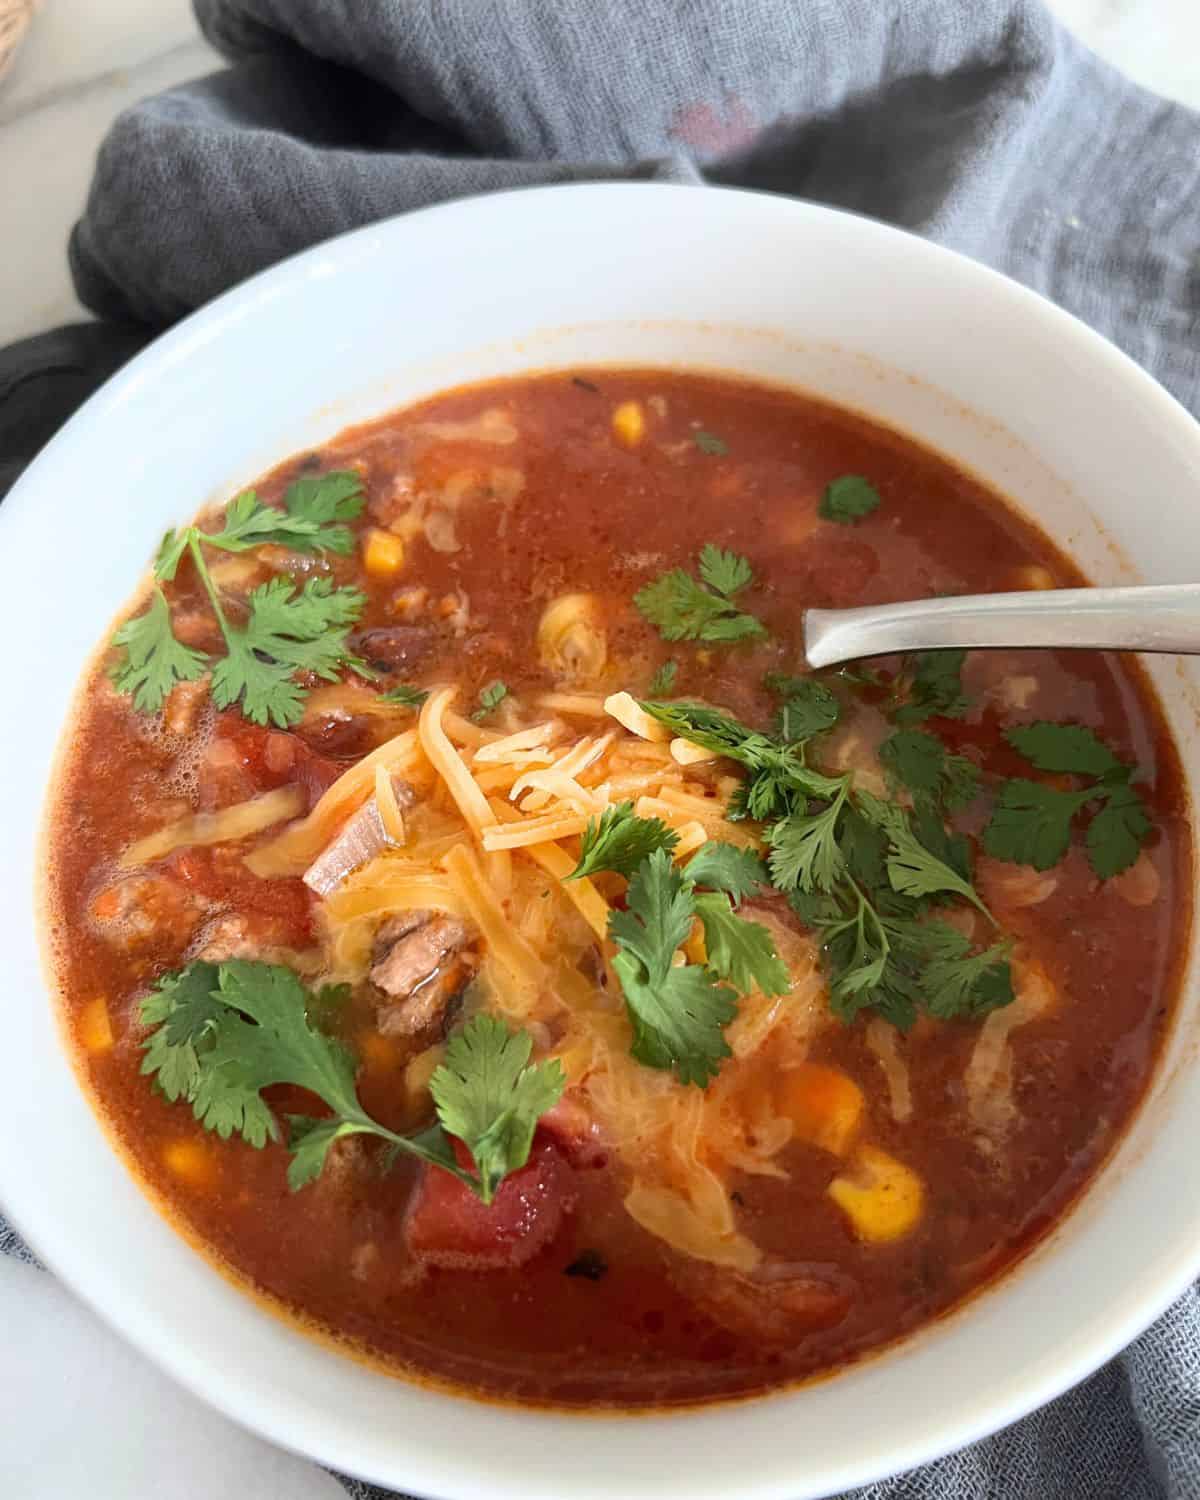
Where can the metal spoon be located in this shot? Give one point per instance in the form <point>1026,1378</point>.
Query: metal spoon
<point>1161,617</point>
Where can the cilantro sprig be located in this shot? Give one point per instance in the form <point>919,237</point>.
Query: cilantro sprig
<point>225,1032</point>
<point>287,628</point>
<point>862,872</point>
<point>619,840</point>
<point>686,610</point>
<point>1032,822</point>
<point>679,1011</point>
<point>406,696</point>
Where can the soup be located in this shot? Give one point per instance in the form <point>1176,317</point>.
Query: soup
<point>492,946</point>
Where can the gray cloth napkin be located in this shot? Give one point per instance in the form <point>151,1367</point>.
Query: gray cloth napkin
<point>980,124</point>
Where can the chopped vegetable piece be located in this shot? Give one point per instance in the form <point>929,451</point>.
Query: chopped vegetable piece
<point>1031,822</point>
<point>663,680</point>
<point>620,840</point>
<point>882,1198</point>
<point>684,610</point>
<point>934,688</point>
<point>490,699</point>
<point>825,1105</point>
<point>410,697</point>
<point>848,499</point>
<point>629,423</point>
<point>709,442</point>
<point>224,1032</point>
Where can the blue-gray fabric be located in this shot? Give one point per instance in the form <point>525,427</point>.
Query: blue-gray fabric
<point>982,125</point>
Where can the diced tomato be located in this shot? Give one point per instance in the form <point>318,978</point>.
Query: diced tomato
<point>449,1226</point>
<point>273,757</point>
<point>571,1127</point>
<point>220,874</point>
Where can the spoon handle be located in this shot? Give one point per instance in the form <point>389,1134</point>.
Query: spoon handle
<point>1161,617</point>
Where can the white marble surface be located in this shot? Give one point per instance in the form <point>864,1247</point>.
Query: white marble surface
<point>82,1413</point>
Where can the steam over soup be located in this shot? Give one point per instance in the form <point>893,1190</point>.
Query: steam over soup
<point>489,943</point>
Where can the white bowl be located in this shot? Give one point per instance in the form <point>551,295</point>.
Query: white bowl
<point>929,342</point>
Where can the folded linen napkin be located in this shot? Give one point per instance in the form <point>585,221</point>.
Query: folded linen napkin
<point>983,126</point>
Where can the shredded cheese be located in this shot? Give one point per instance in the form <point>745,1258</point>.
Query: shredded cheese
<point>447,762</point>
<point>295,849</point>
<point>236,822</point>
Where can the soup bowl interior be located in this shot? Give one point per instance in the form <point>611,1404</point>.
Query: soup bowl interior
<point>964,361</point>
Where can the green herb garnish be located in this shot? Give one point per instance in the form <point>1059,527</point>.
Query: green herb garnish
<point>684,610</point>
<point>679,1012</point>
<point>709,442</point>
<point>225,1032</point>
<point>848,499</point>
<point>663,680</point>
<point>620,840</point>
<point>409,697</point>
<point>288,628</point>
<point>1032,822</point>
<point>490,699</point>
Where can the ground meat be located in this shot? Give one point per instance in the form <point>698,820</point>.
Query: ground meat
<point>242,935</point>
<point>142,909</point>
<point>418,963</point>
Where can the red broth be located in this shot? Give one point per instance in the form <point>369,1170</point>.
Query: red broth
<point>541,499</point>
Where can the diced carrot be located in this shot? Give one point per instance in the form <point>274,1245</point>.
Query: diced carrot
<point>383,553</point>
<point>95,1028</point>
<point>192,1162</point>
<point>824,1105</point>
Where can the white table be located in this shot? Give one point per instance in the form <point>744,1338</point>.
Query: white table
<point>83,1415</point>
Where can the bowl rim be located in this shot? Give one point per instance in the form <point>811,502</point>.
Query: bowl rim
<point>1130,1312</point>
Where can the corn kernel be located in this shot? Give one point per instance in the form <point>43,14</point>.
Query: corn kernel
<point>95,1028</point>
<point>1034,576</point>
<point>629,423</point>
<point>383,553</point>
<point>824,1105</point>
<point>192,1162</point>
<point>882,1198</point>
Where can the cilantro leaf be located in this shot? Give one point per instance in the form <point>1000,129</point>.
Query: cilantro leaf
<point>958,983</point>
<point>805,852</point>
<point>808,707</point>
<point>490,699</point>
<point>286,632</point>
<point>225,1032</point>
<point>684,610</point>
<point>490,1098</point>
<point>913,868</point>
<point>678,1013</point>
<point>1116,834</point>
<point>725,867</point>
<point>740,951</point>
<point>1064,748</point>
<point>151,660</point>
<point>620,840</point>
<point>314,505</point>
<point>709,442</point>
<point>935,689</point>
<point>724,571</point>
<point>663,680</point>
<point>410,697</point>
<point>848,499</point>
<point>1031,823</point>
<point>919,761</point>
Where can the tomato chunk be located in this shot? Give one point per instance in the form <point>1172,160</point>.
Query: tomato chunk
<point>449,1226</point>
